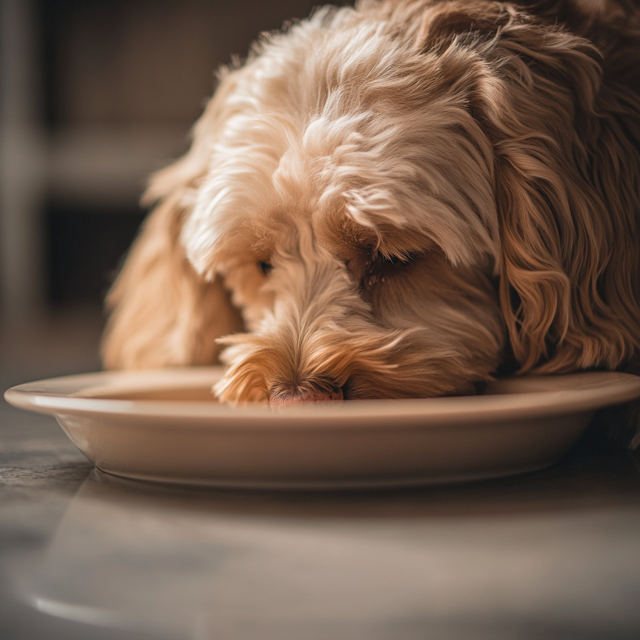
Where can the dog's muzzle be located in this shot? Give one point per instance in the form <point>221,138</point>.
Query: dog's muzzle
<point>308,395</point>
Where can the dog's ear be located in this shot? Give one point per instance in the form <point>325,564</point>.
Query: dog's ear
<point>163,313</point>
<point>566,167</point>
<point>460,21</point>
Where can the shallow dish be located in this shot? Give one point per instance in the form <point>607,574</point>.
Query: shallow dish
<point>165,425</point>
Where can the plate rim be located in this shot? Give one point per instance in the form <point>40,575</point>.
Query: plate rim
<point>470,409</point>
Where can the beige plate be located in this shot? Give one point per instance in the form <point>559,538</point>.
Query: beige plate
<point>165,426</point>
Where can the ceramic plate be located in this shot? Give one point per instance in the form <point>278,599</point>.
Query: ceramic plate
<point>164,425</point>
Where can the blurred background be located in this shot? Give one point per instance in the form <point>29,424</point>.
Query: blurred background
<point>95,95</point>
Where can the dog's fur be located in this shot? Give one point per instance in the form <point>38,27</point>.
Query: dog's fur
<point>400,201</point>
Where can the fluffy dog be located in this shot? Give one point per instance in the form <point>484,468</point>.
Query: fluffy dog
<point>401,200</point>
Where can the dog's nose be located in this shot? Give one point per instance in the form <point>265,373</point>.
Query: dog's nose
<point>313,395</point>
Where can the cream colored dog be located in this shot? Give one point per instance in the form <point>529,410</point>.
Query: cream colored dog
<point>401,200</point>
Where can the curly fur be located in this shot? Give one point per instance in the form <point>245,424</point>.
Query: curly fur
<point>436,190</point>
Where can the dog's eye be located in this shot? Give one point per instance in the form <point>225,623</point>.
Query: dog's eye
<point>392,261</point>
<point>380,261</point>
<point>265,267</point>
<point>379,267</point>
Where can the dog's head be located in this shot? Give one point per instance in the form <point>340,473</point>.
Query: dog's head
<point>388,194</point>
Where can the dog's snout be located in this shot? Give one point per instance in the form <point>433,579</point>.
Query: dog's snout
<point>279,398</point>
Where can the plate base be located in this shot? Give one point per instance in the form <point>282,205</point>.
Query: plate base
<point>333,485</point>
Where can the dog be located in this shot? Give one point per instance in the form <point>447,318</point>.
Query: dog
<point>398,200</point>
